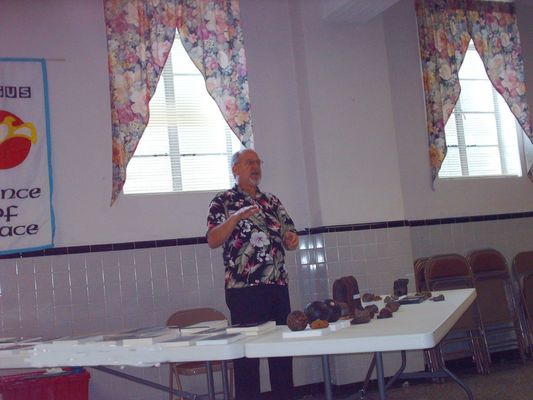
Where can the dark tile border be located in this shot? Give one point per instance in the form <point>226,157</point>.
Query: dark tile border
<point>148,244</point>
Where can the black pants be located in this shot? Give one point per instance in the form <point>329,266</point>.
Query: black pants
<point>257,304</point>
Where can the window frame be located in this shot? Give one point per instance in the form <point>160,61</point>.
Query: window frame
<point>462,147</point>
<point>175,157</point>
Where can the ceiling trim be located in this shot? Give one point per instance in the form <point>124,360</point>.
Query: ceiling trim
<point>353,11</point>
<point>362,11</point>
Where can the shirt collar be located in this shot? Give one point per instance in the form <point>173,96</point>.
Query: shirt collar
<point>239,190</point>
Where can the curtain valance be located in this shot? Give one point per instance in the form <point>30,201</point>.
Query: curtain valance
<point>445,28</point>
<point>140,34</point>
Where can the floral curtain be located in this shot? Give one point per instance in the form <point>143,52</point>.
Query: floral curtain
<point>445,28</point>
<point>140,34</point>
<point>211,33</point>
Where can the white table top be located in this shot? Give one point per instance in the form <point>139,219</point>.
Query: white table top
<point>95,354</point>
<point>418,326</point>
<point>412,327</point>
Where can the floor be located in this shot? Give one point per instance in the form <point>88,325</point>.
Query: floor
<point>509,380</point>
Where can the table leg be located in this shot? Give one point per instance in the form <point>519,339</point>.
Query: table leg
<point>459,382</point>
<point>224,372</point>
<point>210,382</point>
<point>362,391</point>
<point>380,374</point>
<point>399,372</point>
<point>327,377</point>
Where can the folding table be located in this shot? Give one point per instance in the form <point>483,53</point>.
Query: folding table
<point>412,327</point>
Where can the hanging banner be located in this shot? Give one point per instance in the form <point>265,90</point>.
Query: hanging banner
<point>26,213</point>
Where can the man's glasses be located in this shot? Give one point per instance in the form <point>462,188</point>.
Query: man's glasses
<point>249,163</point>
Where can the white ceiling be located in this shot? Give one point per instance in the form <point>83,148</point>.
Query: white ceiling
<point>353,11</point>
<point>360,11</point>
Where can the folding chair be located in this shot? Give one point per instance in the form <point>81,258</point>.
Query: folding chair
<point>451,271</point>
<point>188,317</point>
<point>420,279</point>
<point>523,276</point>
<point>496,300</point>
<point>430,355</point>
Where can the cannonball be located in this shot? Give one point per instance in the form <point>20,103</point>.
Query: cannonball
<point>334,310</point>
<point>316,310</point>
<point>297,321</point>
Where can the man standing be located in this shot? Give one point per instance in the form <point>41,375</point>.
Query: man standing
<point>255,230</point>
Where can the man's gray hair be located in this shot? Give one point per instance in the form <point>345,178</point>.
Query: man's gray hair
<point>236,155</point>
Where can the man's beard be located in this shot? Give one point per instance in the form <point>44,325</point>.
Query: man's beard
<point>256,181</point>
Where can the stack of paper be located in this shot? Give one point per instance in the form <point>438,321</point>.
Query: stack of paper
<point>15,348</point>
<point>9,339</point>
<point>205,327</point>
<point>70,340</point>
<point>16,342</point>
<point>142,336</point>
<point>223,338</point>
<point>252,328</point>
<point>187,340</point>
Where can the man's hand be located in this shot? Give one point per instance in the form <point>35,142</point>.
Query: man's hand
<point>290,240</point>
<point>219,234</point>
<point>246,212</point>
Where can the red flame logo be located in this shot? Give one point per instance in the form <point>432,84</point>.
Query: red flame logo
<point>16,138</point>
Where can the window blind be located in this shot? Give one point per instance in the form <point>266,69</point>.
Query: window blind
<point>481,133</point>
<point>187,145</point>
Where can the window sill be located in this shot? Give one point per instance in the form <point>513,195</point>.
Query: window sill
<point>479,177</point>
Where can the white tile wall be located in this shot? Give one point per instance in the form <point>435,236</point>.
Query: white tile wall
<point>507,236</point>
<point>81,293</point>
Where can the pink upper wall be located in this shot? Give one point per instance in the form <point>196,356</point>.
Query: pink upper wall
<point>337,115</point>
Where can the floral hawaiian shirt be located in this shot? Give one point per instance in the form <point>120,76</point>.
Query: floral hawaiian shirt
<point>254,253</point>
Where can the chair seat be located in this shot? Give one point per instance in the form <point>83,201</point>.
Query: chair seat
<point>184,318</point>
<point>497,303</point>
<point>198,367</point>
<point>452,271</point>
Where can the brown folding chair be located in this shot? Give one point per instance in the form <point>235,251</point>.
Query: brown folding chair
<point>420,279</point>
<point>496,300</point>
<point>523,276</point>
<point>451,271</point>
<point>430,355</point>
<point>184,318</point>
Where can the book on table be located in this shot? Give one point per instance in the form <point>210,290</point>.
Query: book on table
<point>151,330</point>
<point>16,348</point>
<point>17,341</point>
<point>9,339</point>
<point>82,339</point>
<point>411,299</point>
<point>252,328</point>
<point>205,326</point>
<point>143,336</point>
<point>184,340</point>
<point>222,338</point>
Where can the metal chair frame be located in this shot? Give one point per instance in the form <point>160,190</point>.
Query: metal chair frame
<point>184,318</point>
<point>458,276</point>
<point>499,315</point>
<point>431,356</point>
<point>522,271</point>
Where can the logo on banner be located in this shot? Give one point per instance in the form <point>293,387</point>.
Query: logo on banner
<point>16,139</point>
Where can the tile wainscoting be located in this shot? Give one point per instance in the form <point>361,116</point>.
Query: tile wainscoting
<point>77,290</point>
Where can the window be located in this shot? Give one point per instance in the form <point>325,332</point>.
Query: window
<point>187,145</point>
<point>482,133</point>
